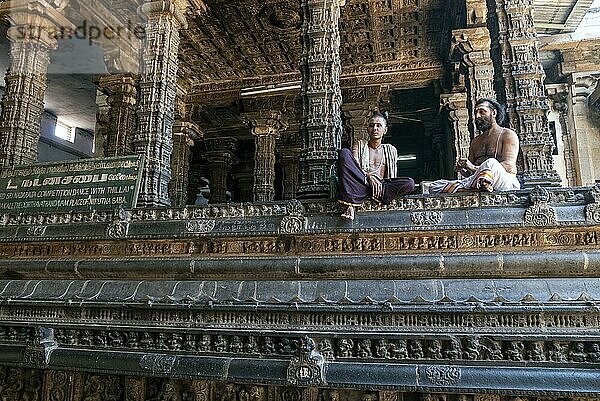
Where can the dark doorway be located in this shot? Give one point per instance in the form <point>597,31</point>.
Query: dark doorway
<point>407,137</point>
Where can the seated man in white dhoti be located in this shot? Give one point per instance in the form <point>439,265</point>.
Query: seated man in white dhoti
<point>492,162</point>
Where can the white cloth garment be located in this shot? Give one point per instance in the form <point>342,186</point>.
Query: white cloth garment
<point>390,155</point>
<point>490,170</point>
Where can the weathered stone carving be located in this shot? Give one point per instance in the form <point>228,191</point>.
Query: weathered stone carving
<point>266,127</point>
<point>156,111</point>
<point>160,364</point>
<point>306,369</point>
<point>426,218</point>
<point>540,214</point>
<point>321,123</point>
<point>519,60</point>
<point>57,385</point>
<point>592,210</point>
<point>443,375</point>
<point>220,157</point>
<point>122,101</point>
<point>135,388</point>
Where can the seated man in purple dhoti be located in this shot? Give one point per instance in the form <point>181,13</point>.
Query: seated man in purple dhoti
<point>492,162</point>
<point>369,169</point>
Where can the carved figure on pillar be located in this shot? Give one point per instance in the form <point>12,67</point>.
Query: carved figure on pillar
<point>31,39</point>
<point>492,162</point>
<point>184,135</point>
<point>158,88</point>
<point>321,122</point>
<point>369,169</point>
<point>122,101</point>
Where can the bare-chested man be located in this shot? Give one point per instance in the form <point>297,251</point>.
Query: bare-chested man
<point>492,162</point>
<point>370,169</point>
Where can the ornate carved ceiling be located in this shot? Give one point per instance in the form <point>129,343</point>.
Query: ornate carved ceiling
<point>236,45</point>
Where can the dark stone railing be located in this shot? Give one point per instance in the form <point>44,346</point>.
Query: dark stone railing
<point>457,293</point>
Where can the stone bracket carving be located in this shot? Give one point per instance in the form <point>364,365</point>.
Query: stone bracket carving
<point>308,368</point>
<point>540,213</point>
<point>294,222</point>
<point>592,210</point>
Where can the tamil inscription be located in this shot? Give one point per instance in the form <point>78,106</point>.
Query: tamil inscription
<point>81,185</point>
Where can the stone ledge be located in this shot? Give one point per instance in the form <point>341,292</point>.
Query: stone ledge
<point>340,267</point>
<point>394,376</point>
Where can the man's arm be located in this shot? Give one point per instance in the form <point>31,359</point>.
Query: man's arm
<point>465,166</point>
<point>510,151</point>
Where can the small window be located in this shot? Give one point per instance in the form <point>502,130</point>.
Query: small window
<point>63,131</point>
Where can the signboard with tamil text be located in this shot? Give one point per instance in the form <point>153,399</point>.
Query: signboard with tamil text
<point>81,185</point>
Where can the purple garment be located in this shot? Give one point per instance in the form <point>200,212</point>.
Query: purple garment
<point>354,187</point>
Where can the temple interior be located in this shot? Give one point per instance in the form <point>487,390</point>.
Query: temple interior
<point>168,223</point>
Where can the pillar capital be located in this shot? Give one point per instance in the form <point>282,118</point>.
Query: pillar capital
<point>266,122</point>
<point>189,129</point>
<point>155,9</point>
<point>585,84</point>
<point>35,21</point>
<point>470,45</point>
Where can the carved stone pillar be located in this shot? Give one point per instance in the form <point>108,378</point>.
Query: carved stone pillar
<point>184,135</point>
<point>321,123</point>
<point>459,115</point>
<point>245,186</point>
<point>31,38</point>
<point>266,127</point>
<point>121,99</point>
<point>523,77</point>
<point>157,99</point>
<point>135,388</point>
<point>101,127</point>
<point>220,156</point>
<point>471,52</point>
<point>583,86</point>
<point>291,170</point>
<point>562,104</point>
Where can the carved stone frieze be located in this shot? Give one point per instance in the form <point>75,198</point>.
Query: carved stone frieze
<point>307,368</point>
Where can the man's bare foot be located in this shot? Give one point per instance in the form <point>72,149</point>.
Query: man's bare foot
<point>348,214</point>
<point>484,185</point>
